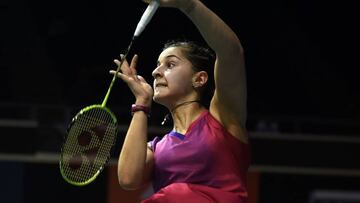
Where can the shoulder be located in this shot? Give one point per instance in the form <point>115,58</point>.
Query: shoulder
<point>232,123</point>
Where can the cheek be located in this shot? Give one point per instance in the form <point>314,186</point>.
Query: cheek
<point>178,77</point>
<point>181,85</point>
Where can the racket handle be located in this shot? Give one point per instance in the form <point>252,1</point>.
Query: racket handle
<point>146,17</point>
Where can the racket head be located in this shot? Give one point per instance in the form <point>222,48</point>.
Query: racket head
<point>88,145</point>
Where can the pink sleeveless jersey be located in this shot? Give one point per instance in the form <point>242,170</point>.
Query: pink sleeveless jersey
<point>205,165</point>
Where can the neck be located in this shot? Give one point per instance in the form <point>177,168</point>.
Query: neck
<point>167,116</point>
<point>183,104</point>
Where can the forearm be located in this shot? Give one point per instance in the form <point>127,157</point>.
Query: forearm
<point>219,36</point>
<point>132,158</point>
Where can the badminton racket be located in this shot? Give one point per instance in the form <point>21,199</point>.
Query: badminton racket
<point>92,132</point>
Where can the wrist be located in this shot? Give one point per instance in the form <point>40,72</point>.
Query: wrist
<point>143,101</point>
<point>137,107</point>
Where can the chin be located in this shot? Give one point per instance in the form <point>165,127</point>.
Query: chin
<point>159,99</point>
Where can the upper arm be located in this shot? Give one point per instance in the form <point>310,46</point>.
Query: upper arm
<point>229,101</point>
<point>228,104</point>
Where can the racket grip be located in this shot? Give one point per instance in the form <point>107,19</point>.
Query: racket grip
<point>146,17</point>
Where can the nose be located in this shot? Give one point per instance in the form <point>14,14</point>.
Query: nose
<point>157,72</point>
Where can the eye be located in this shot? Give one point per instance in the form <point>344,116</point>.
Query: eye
<point>170,64</point>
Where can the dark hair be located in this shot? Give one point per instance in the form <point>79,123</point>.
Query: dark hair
<point>203,59</point>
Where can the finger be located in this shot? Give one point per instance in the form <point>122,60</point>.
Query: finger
<point>124,66</point>
<point>113,72</point>
<point>120,69</point>
<point>133,64</point>
<point>142,79</point>
<point>122,57</point>
<point>117,61</point>
<point>120,75</point>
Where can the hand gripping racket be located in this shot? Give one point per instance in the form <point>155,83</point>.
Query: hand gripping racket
<point>92,132</point>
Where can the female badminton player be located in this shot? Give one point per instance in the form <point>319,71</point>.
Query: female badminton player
<point>205,157</point>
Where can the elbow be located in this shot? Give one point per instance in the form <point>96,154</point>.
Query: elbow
<point>237,48</point>
<point>129,183</point>
<point>233,50</point>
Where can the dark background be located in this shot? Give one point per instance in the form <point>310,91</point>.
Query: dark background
<point>301,55</point>
<point>301,60</point>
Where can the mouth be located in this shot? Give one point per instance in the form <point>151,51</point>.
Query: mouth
<point>160,85</point>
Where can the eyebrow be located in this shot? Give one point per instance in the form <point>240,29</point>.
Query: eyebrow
<point>169,56</point>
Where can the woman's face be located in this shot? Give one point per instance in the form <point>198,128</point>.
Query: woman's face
<point>173,77</point>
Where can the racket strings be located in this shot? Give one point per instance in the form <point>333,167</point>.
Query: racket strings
<point>82,159</point>
<point>89,165</point>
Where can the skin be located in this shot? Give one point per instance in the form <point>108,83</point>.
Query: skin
<point>176,82</point>
<point>174,79</point>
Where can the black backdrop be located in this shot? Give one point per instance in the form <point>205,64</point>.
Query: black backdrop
<point>301,55</point>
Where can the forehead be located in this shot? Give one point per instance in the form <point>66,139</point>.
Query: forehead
<point>171,51</point>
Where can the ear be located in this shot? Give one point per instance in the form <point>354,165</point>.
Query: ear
<point>199,79</point>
